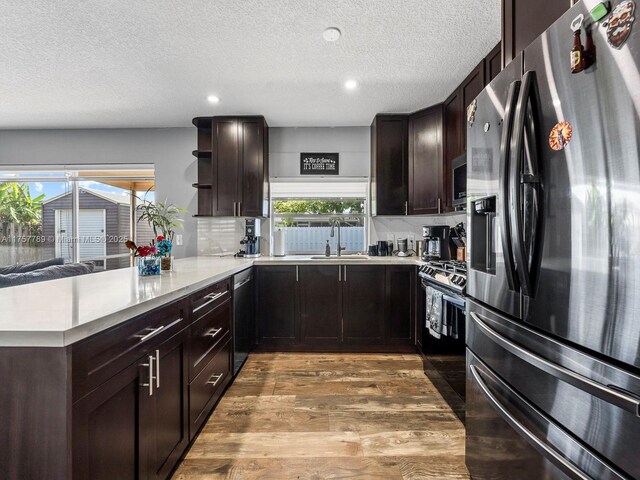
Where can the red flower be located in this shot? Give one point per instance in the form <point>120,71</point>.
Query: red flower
<point>160,238</point>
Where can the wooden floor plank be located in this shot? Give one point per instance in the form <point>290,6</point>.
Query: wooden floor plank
<point>330,416</point>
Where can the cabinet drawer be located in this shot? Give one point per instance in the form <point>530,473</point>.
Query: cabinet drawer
<point>207,387</point>
<point>207,299</point>
<point>207,332</point>
<point>99,357</point>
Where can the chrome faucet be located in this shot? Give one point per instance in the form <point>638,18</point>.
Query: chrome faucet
<point>339,247</point>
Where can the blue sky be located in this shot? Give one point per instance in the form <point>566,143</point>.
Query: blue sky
<point>52,189</point>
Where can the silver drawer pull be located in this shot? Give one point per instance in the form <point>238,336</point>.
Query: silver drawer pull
<point>213,332</point>
<point>212,382</point>
<point>152,332</point>
<point>212,298</point>
<point>157,368</point>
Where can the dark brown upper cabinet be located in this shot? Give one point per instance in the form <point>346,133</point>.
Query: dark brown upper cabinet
<point>469,90</point>
<point>389,165</point>
<point>523,21</point>
<point>493,63</point>
<point>426,170</point>
<point>233,167</point>
<point>453,147</point>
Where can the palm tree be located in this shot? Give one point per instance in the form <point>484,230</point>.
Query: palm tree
<point>18,210</point>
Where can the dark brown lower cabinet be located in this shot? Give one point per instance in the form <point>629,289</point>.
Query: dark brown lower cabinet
<point>277,310</point>
<point>363,304</point>
<point>320,300</point>
<point>400,304</point>
<point>336,307</point>
<point>136,424</point>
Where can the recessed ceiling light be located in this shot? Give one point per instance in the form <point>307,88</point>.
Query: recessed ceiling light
<point>350,84</point>
<point>331,34</point>
<point>213,99</point>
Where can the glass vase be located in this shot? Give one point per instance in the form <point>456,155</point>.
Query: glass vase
<point>166,263</point>
<point>148,266</point>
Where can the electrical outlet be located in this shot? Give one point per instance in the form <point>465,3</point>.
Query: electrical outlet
<point>178,239</point>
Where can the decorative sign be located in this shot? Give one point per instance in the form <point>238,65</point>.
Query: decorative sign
<point>319,163</point>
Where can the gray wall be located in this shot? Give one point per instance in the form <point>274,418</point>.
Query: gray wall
<point>169,149</point>
<point>352,143</point>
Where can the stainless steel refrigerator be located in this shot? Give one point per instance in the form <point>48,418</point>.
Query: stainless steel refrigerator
<point>553,206</point>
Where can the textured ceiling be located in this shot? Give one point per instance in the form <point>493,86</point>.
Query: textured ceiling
<point>142,63</point>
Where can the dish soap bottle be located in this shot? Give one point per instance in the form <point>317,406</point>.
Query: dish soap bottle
<point>327,249</point>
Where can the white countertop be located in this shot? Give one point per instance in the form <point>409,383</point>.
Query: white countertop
<point>60,312</point>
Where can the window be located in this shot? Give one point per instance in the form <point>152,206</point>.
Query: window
<point>85,214</point>
<point>306,211</point>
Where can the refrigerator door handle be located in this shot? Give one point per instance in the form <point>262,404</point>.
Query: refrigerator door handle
<point>507,129</point>
<point>609,394</point>
<point>528,93</point>
<point>554,453</point>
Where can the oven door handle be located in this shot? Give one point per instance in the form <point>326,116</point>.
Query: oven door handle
<point>455,300</point>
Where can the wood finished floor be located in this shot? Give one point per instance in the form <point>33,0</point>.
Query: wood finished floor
<point>330,416</point>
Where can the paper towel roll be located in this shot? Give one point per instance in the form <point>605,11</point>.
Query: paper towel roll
<point>278,243</point>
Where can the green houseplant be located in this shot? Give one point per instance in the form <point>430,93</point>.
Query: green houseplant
<point>164,219</point>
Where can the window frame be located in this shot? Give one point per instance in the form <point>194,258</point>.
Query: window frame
<point>365,216</point>
<point>71,175</point>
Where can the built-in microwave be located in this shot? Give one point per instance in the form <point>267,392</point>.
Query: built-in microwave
<point>459,176</point>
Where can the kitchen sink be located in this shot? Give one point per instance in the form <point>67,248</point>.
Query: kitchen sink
<point>342,257</point>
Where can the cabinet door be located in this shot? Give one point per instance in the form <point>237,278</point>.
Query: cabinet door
<point>277,304</point>
<point>320,304</point>
<point>363,290</point>
<point>523,21</point>
<point>225,164</point>
<point>426,173</point>
<point>493,63</point>
<point>251,136</point>
<point>469,90</point>
<point>400,304</point>
<point>106,429</point>
<point>453,128</point>
<point>168,428</point>
<point>389,165</point>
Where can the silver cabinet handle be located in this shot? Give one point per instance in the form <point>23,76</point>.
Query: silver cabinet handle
<point>406,208</point>
<point>238,285</point>
<point>606,393</point>
<point>234,209</point>
<point>345,273</point>
<point>239,213</point>
<point>217,379</point>
<point>339,273</point>
<point>213,332</point>
<point>297,276</point>
<point>150,366</point>
<point>212,298</point>
<point>157,368</point>
<point>439,205</point>
<point>152,332</point>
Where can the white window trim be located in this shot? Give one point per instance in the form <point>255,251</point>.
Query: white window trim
<point>359,187</point>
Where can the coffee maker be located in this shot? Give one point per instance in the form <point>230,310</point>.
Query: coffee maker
<point>437,242</point>
<point>251,240</point>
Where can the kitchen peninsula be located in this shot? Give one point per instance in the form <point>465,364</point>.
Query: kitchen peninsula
<point>144,360</point>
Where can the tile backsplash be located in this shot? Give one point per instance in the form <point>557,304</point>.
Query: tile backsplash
<point>221,236</point>
<point>410,227</point>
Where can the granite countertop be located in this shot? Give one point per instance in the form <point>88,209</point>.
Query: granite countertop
<point>60,312</point>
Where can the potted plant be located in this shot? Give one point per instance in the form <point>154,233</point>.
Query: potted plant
<point>149,259</point>
<point>164,218</point>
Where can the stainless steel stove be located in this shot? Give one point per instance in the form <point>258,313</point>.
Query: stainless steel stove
<point>447,273</point>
